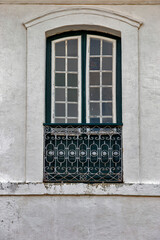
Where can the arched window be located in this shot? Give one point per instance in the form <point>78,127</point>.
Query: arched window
<point>83,108</point>
<point>83,78</point>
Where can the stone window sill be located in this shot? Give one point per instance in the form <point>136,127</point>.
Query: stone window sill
<point>62,189</point>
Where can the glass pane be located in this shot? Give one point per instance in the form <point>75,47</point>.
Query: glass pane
<point>94,120</point>
<point>59,120</point>
<point>59,94</point>
<point>60,79</point>
<point>94,93</point>
<point>94,46</point>
<point>107,78</point>
<point>107,120</point>
<point>60,64</point>
<point>94,63</point>
<point>72,65</point>
<point>106,63</point>
<point>60,109</point>
<point>72,95</point>
<point>69,120</point>
<point>72,47</point>
<point>72,110</point>
<point>107,109</point>
<point>107,93</point>
<point>94,78</point>
<point>106,48</point>
<point>72,80</point>
<point>94,109</point>
<point>60,48</point>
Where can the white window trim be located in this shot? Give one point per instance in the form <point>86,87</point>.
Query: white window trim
<point>53,74</point>
<point>113,76</point>
<point>57,22</point>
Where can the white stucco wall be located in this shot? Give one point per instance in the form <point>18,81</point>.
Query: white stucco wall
<point>24,216</point>
<point>79,218</point>
<point>13,87</point>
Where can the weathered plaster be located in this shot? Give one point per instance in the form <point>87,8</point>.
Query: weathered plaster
<point>13,88</point>
<point>6,142</point>
<point>31,189</point>
<point>12,92</point>
<point>77,218</point>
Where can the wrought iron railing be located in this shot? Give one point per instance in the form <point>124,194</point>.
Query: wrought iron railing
<point>82,153</point>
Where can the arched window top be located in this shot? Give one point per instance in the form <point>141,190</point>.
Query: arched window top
<point>110,14</point>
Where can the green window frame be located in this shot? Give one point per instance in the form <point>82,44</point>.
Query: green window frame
<point>87,152</point>
<point>48,87</point>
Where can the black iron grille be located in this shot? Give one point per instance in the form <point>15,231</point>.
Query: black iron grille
<point>82,153</point>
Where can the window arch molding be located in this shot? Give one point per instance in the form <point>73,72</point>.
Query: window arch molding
<point>62,20</point>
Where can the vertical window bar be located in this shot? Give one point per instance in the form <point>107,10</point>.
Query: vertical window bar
<point>79,80</point>
<point>48,87</point>
<point>53,82</point>
<point>118,82</point>
<point>66,87</point>
<point>100,81</point>
<point>83,77</point>
<point>114,82</point>
<point>87,80</point>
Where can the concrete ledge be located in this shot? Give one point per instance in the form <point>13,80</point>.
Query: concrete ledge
<point>31,189</point>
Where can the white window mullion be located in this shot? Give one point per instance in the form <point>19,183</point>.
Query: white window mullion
<point>66,89</point>
<point>79,80</point>
<point>53,84</point>
<point>100,81</point>
<point>87,81</point>
<point>114,82</point>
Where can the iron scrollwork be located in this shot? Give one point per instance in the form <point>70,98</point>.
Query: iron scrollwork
<point>82,153</point>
